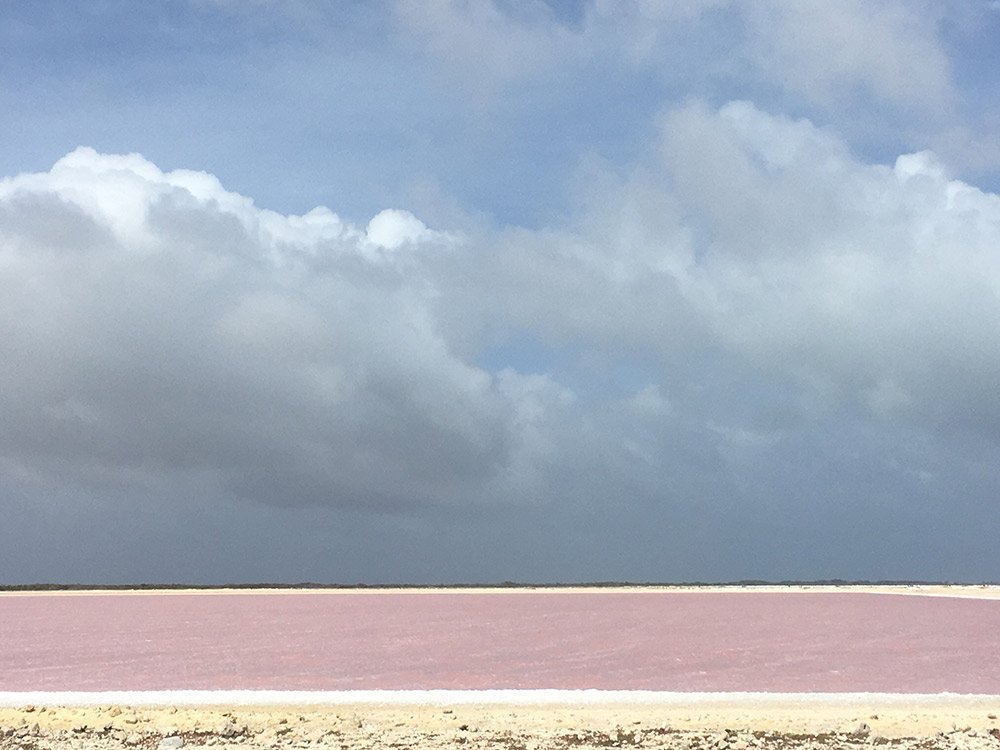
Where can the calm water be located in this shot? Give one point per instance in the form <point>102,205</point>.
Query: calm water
<point>838,642</point>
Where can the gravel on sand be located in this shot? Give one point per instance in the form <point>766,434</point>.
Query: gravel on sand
<point>969,724</point>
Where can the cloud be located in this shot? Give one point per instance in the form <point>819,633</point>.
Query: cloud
<point>761,244</point>
<point>825,51</point>
<point>392,228</point>
<point>483,42</point>
<point>159,325</point>
<point>873,278</point>
<point>749,318</point>
<point>756,236</point>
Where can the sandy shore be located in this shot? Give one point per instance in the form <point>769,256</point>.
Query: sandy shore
<point>734,724</point>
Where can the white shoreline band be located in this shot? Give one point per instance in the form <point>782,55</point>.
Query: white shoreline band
<point>469,697</point>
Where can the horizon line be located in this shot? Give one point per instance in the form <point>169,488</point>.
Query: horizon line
<point>306,585</point>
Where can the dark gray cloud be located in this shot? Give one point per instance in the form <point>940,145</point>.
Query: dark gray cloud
<point>185,330</point>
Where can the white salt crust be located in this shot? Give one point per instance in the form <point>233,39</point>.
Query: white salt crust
<point>470,697</point>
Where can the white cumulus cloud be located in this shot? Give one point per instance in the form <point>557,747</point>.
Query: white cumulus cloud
<point>156,324</point>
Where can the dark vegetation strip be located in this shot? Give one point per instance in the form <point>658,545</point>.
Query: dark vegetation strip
<point>502,585</point>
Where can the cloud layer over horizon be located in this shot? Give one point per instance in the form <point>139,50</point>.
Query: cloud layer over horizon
<point>749,345</point>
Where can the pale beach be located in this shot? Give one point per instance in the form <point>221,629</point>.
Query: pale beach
<point>756,721</point>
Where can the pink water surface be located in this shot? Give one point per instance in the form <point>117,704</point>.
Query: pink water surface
<point>843,642</point>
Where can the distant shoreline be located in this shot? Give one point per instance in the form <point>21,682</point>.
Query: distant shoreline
<point>961,591</point>
<point>513,585</point>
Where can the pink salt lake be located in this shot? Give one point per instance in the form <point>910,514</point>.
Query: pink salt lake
<point>768,642</point>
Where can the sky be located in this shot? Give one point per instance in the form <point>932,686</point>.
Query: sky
<point>438,291</point>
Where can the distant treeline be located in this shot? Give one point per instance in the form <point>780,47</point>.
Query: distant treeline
<point>502,584</point>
